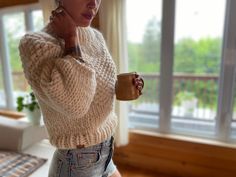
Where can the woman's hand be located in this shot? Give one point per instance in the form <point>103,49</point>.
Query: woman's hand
<point>139,83</point>
<point>64,26</point>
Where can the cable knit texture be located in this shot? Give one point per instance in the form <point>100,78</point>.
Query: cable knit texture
<point>76,99</point>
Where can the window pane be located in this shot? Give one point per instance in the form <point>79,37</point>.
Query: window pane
<point>234,115</point>
<point>2,94</point>
<point>14,25</point>
<point>144,35</point>
<point>37,20</point>
<point>197,60</point>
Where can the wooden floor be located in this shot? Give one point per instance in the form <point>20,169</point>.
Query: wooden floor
<point>133,172</point>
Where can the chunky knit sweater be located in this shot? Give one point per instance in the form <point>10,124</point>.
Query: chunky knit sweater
<point>76,98</point>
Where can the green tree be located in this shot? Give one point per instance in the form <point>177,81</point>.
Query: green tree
<point>151,43</point>
<point>198,57</point>
<point>134,55</point>
<point>208,52</point>
<point>145,56</point>
<point>13,34</point>
<point>185,56</point>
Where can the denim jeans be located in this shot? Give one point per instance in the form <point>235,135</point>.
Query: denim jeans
<point>93,161</point>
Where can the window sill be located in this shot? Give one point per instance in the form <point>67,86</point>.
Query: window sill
<point>11,114</point>
<point>182,138</point>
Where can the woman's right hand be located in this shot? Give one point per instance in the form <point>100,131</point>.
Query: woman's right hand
<point>64,26</point>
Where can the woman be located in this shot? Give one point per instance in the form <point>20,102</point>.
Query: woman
<point>73,77</point>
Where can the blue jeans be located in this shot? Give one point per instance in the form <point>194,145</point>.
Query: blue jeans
<point>93,161</point>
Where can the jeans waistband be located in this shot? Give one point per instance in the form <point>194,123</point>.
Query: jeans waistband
<point>107,142</point>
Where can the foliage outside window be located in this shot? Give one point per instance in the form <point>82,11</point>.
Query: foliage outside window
<point>14,27</point>
<point>197,63</point>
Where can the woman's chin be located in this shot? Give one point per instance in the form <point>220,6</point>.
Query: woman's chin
<point>84,23</point>
<point>84,26</point>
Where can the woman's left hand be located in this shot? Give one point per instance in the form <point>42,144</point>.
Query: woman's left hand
<point>64,26</point>
<point>139,83</point>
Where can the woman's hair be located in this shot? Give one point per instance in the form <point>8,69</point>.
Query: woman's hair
<point>57,2</point>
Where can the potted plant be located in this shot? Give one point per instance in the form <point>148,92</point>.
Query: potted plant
<point>30,106</point>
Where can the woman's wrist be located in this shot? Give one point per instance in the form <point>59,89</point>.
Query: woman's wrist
<point>70,42</point>
<point>75,52</point>
<point>72,48</point>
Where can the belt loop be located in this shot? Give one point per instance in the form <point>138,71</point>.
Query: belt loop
<point>112,141</point>
<point>68,154</point>
<point>110,153</point>
<point>101,147</point>
<point>67,151</point>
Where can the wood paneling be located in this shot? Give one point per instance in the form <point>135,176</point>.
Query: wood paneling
<point>178,157</point>
<point>137,172</point>
<point>8,3</point>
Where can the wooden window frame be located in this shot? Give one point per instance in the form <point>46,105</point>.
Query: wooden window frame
<point>5,3</point>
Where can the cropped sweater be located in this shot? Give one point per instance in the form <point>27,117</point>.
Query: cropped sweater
<point>76,98</point>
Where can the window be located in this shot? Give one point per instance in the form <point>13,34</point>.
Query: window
<point>16,21</point>
<point>197,64</point>
<point>2,94</point>
<point>233,125</point>
<point>14,30</point>
<point>37,20</point>
<point>196,71</point>
<point>144,39</point>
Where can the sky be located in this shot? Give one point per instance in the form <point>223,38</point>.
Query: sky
<point>194,18</point>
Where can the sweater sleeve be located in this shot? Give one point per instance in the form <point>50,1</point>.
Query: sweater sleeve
<point>62,83</point>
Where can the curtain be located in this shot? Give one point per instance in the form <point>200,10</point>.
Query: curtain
<point>47,7</point>
<point>112,16</point>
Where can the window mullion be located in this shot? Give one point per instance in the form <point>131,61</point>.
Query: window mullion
<point>29,20</point>
<point>167,55</point>
<point>7,74</point>
<point>225,102</point>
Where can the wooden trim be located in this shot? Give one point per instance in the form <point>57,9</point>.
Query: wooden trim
<point>12,114</point>
<point>178,157</point>
<point>16,2</point>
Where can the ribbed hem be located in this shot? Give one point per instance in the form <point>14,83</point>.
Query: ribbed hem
<point>86,139</point>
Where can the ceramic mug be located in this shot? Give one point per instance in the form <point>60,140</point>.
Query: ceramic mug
<point>125,87</point>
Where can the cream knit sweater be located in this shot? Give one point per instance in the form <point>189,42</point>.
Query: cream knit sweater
<point>76,99</point>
